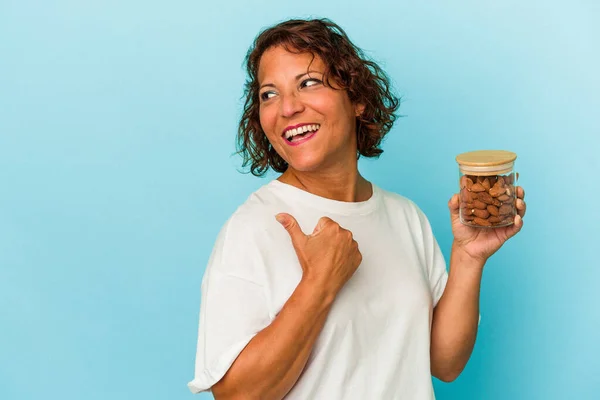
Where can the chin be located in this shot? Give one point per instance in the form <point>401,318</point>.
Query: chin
<point>306,164</point>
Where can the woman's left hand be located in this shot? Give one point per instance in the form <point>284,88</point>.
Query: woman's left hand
<point>481,243</point>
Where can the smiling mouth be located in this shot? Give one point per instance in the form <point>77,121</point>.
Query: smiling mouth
<point>301,132</point>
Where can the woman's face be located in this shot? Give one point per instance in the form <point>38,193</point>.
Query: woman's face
<point>310,125</point>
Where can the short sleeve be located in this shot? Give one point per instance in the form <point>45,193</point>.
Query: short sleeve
<point>434,259</point>
<point>233,309</point>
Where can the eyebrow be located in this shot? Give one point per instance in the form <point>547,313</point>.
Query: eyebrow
<point>296,78</point>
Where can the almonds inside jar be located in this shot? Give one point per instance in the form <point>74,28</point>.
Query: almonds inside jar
<point>487,201</point>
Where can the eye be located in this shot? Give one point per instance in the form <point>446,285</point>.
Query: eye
<point>267,95</point>
<point>310,82</point>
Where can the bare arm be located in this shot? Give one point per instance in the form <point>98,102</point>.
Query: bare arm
<point>273,360</point>
<point>455,318</point>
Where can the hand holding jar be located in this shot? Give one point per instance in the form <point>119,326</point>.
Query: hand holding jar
<point>490,208</point>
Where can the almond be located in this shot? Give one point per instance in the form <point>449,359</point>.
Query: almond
<point>495,219</point>
<point>497,190</point>
<point>469,183</point>
<point>482,222</point>
<point>493,210</point>
<point>467,196</point>
<point>486,184</point>
<point>481,213</point>
<point>485,197</point>
<point>468,211</point>
<point>477,188</point>
<point>505,209</point>
<point>479,204</point>
<point>504,198</point>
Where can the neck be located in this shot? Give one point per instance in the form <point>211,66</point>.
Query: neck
<point>342,184</point>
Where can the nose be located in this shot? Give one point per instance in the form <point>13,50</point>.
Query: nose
<point>290,105</point>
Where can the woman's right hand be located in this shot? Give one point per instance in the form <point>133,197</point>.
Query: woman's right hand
<point>329,256</point>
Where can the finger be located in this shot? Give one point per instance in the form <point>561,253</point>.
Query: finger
<point>291,225</point>
<point>454,205</point>
<point>520,192</point>
<point>515,227</point>
<point>521,207</point>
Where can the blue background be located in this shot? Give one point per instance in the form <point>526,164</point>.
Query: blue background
<point>117,126</point>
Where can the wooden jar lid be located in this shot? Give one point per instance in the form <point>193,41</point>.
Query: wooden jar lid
<point>486,162</point>
<point>486,158</point>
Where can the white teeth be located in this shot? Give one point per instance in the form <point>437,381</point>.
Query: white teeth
<point>293,132</point>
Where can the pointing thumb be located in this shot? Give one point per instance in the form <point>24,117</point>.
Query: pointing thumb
<point>291,225</point>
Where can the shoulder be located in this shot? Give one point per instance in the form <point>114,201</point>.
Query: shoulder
<point>402,205</point>
<point>256,213</point>
<point>242,236</point>
<point>406,215</point>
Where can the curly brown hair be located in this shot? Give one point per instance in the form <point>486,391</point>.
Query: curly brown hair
<point>364,81</point>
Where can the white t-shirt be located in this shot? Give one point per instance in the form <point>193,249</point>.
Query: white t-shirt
<point>375,342</point>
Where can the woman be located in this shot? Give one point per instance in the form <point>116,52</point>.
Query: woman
<point>323,285</point>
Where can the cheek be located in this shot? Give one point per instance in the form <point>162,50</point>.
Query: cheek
<point>323,105</point>
<point>268,122</point>
<point>335,108</point>
<point>267,119</point>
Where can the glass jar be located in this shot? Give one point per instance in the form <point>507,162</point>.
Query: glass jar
<point>487,188</point>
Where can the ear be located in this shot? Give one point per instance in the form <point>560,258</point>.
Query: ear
<point>359,109</point>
